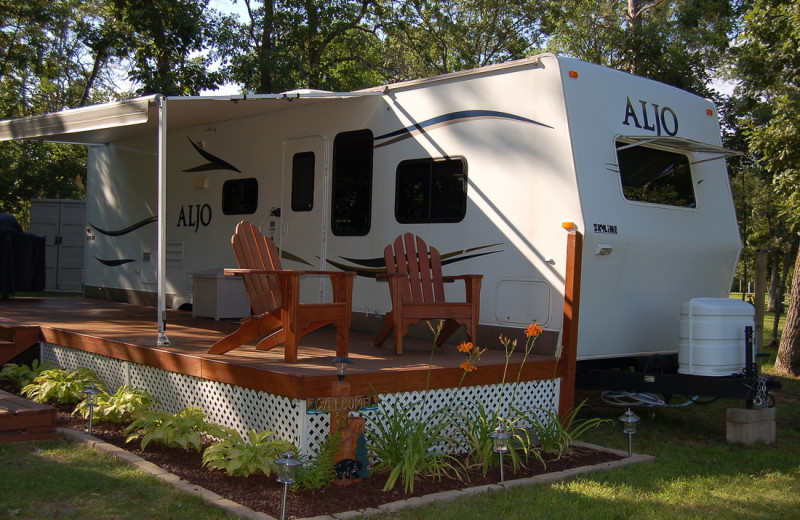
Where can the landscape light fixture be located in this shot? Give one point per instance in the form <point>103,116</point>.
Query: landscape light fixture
<point>500,437</point>
<point>287,465</point>
<point>629,420</point>
<point>91,402</point>
<point>341,366</point>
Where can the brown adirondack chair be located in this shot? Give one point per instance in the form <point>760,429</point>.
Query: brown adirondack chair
<point>274,297</point>
<point>416,287</point>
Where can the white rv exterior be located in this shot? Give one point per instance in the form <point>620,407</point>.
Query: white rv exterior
<point>485,165</point>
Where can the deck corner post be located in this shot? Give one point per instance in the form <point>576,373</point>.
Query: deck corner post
<point>569,335</point>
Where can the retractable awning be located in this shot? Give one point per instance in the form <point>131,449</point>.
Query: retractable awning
<point>102,124</point>
<point>108,122</point>
<point>678,145</point>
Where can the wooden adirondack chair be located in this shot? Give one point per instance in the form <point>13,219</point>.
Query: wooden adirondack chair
<point>274,296</point>
<point>416,287</point>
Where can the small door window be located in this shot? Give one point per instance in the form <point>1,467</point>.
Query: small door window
<point>303,181</point>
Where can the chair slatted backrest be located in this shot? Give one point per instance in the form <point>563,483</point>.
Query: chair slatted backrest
<point>255,251</point>
<point>410,255</point>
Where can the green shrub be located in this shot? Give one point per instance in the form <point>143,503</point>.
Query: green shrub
<point>474,427</point>
<point>319,471</point>
<point>556,436</point>
<point>21,376</point>
<point>237,456</point>
<point>185,429</point>
<point>125,404</point>
<point>407,448</point>
<point>61,386</point>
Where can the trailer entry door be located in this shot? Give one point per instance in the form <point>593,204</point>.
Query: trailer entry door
<point>304,210</point>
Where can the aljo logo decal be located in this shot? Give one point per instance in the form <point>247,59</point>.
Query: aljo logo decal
<point>651,117</point>
<point>195,216</point>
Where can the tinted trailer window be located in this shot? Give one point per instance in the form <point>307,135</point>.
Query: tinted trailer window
<point>655,176</point>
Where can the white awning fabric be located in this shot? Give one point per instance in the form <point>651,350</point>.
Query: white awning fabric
<point>105,123</point>
<point>678,145</point>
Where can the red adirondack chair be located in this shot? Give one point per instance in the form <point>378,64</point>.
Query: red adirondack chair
<point>416,287</point>
<point>274,297</point>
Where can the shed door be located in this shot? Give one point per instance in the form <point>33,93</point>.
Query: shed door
<point>63,223</point>
<point>304,209</point>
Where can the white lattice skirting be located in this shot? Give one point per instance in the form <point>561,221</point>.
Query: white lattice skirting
<point>244,409</point>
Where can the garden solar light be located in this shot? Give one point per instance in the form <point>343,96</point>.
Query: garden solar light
<point>629,420</point>
<point>500,437</point>
<point>286,468</point>
<point>91,396</point>
<point>341,366</point>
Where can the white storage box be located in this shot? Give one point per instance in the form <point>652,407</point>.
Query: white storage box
<point>218,296</point>
<point>712,336</point>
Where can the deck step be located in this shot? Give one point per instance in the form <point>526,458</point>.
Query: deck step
<point>24,420</point>
<point>16,340</point>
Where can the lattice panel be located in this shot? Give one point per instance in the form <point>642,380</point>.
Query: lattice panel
<point>532,396</point>
<point>111,371</point>
<point>236,407</point>
<point>244,409</point>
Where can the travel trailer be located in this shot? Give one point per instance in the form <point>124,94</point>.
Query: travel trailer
<point>488,165</point>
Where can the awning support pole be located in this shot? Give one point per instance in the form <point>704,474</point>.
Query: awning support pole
<point>162,339</point>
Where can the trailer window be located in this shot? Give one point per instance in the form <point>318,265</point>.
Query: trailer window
<point>240,196</point>
<point>303,181</point>
<point>431,190</point>
<point>351,206</point>
<point>656,176</point>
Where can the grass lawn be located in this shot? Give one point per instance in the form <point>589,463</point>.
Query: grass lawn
<point>56,479</point>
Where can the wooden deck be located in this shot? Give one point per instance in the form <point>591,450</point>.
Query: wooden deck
<point>24,420</point>
<point>127,332</point>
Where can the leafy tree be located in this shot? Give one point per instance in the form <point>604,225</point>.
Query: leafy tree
<point>288,44</point>
<point>41,70</point>
<point>167,41</point>
<point>429,37</point>
<point>769,66</point>
<point>675,42</point>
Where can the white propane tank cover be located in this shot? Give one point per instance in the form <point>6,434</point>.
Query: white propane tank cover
<point>712,336</point>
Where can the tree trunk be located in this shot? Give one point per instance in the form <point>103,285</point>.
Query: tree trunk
<point>773,281</point>
<point>788,360</point>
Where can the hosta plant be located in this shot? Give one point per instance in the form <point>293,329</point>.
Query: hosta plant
<point>119,407</point>
<point>238,456</point>
<point>185,429</point>
<point>21,376</point>
<point>62,386</point>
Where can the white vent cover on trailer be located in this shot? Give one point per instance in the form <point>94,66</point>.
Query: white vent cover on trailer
<point>712,336</point>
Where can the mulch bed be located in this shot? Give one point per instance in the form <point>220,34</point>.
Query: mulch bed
<point>261,493</point>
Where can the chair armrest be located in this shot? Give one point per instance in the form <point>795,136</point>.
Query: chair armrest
<point>449,279</point>
<point>384,277</point>
<point>284,272</point>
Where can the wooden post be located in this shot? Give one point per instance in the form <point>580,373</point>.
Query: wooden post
<point>569,334</point>
<point>350,465</point>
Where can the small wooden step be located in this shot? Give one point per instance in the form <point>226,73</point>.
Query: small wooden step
<point>16,340</point>
<point>23,420</point>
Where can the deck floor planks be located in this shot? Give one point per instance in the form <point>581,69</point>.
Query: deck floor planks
<point>128,332</point>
